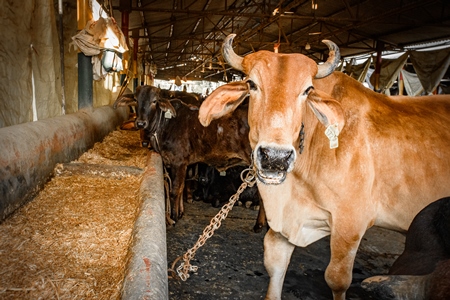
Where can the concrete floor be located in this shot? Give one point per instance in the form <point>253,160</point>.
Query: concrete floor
<point>230,264</point>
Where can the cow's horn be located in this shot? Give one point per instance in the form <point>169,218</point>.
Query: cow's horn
<point>229,55</point>
<point>334,56</point>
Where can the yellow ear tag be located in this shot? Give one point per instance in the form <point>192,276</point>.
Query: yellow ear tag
<point>168,115</point>
<point>332,133</point>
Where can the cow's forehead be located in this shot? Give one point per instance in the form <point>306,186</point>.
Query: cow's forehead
<point>280,69</point>
<point>147,93</point>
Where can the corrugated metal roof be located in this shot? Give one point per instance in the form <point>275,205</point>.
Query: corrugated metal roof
<point>183,37</point>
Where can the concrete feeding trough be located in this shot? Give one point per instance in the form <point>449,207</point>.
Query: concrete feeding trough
<point>31,150</point>
<point>146,276</point>
<point>90,230</point>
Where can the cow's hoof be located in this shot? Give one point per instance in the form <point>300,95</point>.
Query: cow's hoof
<point>174,216</point>
<point>258,227</point>
<point>169,221</point>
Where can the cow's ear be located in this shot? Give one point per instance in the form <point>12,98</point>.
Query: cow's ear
<point>166,106</point>
<point>125,100</point>
<point>138,89</point>
<point>327,110</point>
<point>222,101</point>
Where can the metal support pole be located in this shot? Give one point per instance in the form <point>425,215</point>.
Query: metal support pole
<point>61,53</point>
<point>125,9</point>
<point>380,48</point>
<point>85,75</point>
<point>85,81</point>
<point>125,21</point>
<point>135,60</point>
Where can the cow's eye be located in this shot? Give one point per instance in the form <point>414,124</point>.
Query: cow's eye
<point>309,89</point>
<point>251,85</point>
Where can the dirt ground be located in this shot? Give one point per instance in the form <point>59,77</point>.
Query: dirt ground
<point>230,264</point>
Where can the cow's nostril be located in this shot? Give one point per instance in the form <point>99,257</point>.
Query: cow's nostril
<point>264,153</point>
<point>288,154</point>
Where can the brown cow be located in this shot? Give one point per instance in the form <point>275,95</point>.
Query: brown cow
<point>380,161</point>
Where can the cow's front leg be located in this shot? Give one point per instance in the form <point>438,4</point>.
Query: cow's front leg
<point>176,194</point>
<point>338,274</point>
<point>277,254</point>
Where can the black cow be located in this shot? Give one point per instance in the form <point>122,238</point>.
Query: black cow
<point>422,271</point>
<point>217,187</point>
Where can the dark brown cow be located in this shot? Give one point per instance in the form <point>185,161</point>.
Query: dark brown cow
<point>363,158</point>
<point>174,131</point>
<point>422,271</point>
<point>146,97</point>
<point>427,241</point>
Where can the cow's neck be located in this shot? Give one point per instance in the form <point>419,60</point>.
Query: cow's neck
<point>291,212</point>
<point>311,137</point>
<point>289,206</point>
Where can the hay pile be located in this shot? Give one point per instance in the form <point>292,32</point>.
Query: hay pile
<point>71,241</point>
<point>119,148</point>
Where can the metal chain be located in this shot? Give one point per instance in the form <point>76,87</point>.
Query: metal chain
<point>185,267</point>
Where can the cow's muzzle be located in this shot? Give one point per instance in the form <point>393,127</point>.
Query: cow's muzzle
<point>273,163</point>
<point>141,124</point>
